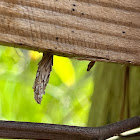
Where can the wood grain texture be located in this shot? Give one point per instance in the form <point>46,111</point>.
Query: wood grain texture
<point>100,30</point>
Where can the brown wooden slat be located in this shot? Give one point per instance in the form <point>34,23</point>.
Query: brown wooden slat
<point>28,130</point>
<point>130,5</point>
<point>92,30</point>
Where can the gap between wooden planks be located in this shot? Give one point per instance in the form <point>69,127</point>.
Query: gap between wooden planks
<point>100,30</point>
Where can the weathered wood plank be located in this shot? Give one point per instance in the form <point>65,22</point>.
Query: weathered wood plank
<point>100,30</point>
<point>28,130</point>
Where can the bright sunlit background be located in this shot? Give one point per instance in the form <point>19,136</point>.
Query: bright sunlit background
<point>67,97</point>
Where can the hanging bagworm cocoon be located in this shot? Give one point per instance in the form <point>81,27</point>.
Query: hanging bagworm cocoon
<point>42,76</point>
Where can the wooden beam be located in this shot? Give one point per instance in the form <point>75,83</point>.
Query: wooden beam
<point>100,30</point>
<point>28,130</point>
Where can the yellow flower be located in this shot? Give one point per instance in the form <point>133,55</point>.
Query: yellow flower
<point>34,55</point>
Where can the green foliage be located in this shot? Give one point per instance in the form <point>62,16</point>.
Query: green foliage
<point>107,100</point>
<point>67,98</point>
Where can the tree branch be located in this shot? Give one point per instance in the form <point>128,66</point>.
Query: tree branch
<point>28,130</point>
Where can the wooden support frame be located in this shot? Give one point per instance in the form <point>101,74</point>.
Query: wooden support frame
<point>26,130</point>
<point>100,30</point>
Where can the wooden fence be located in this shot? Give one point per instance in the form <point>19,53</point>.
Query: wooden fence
<point>95,30</point>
